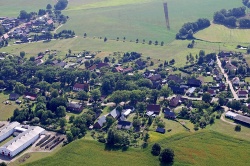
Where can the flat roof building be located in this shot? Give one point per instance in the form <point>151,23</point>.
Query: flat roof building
<point>22,141</point>
<point>8,130</point>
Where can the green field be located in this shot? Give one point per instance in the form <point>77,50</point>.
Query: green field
<point>6,110</point>
<point>200,148</point>
<point>220,33</point>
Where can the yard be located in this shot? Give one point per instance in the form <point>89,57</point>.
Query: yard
<point>6,110</point>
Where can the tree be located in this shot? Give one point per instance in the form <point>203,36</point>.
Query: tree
<point>95,94</point>
<point>206,97</point>
<point>162,43</point>
<point>22,54</point>
<point>3,164</point>
<point>165,92</point>
<point>49,7</point>
<point>62,122</point>
<point>82,95</point>
<point>105,39</point>
<point>141,107</point>
<point>85,35</point>
<point>69,137</point>
<point>156,149</point>
<point>136,123</point>
<point>237,128</point>
<point>20,88</point>
<point>167,156</point>
<point>24,15</point>
<point>61,111</point>
<point>109,121</point>
<point>61,4</point>
<point>54,93</point>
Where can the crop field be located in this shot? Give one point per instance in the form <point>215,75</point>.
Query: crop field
<point>220,33</point>
<point>200,148</point>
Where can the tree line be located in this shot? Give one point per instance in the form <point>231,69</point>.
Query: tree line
<point>188,29</point>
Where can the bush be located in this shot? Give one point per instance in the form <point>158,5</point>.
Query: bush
<point>167,156</point>
<point>237,128</point>
<point>156,149</point>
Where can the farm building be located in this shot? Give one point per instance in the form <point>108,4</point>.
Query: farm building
<point>231,115</point>
<point>21,142</point>
<point>8,130</point>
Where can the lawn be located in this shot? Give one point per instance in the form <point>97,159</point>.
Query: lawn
<point>6,110</point>
<point>199,148</point>
<point>220,33</point>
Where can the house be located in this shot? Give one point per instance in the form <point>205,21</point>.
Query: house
<point>140,63</point>
<point>169,114</point>
<point>222,86</point>
<point>218,77</point>
<point>5,36</point>
<point>155,108</point>
<point>212,92</point>
<point>127,70</point>
<point>124,125</point>
<point>175,101</point>
<point>223,54</point>
<point>194,82</point>
<point>115,113</point>
<point>118,69</point>
<point>30,96</point>
<point>13,96</point>
<point>126,112</point>
<point>211,63</point>
<point>61,64</point>
<point>236,81</point>
<point>156,77</point>
<point>75,107</point>
<point>50,22</point>
<point>160,130</point>
<point>101,65</point>
<point>230,66</point>
<point>175,78</point>
<point>177,90</point>
<point>81,87</point>
<point>190,91</point>
<point>242,93</point>
<point>101,121</point>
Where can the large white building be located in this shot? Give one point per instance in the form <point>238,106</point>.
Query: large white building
<point>22,141</point>
<point>8,130</point>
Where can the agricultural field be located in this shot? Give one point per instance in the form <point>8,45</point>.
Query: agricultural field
<point>200,148</point>
<point>220,33</point>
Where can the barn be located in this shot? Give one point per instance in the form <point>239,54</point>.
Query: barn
<point>8,130</point>
<point>22,141</point>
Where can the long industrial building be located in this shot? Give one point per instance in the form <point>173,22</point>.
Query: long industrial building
<point>22,141</point>
<point>8,130</point>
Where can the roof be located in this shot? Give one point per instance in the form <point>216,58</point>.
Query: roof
<point>139,63</point>
<point>191,90</point>
<point>8,128</point>
<point>229,66</point>
<point>22,138</point>
<point>155,77</point>
<point>160,130</point>
<point>61,64</point>
<point>124,124</point>
<point>81,86</point>
<point>129,69</point>
<point>175,101</point>
<point>119,69</point>
<point>231,114</point>
<point>14,95</point>
<point>100,65</point>
<point>242,118</point>
<point>115,113</point>
<point>101,120</point>
<point>177,89</point>
<point>243,92</point>
<point>175,78</point>
<point>74,105</point>
<point>211,91</point>
<point>154,108</point>
<point>168,112</point>
<point>30,94</point>
<point>50,22</point>
<point>127,112</point>
<point>6,36</point>
<point>194,82</point>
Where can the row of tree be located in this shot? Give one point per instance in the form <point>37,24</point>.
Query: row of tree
<point>188,29</point>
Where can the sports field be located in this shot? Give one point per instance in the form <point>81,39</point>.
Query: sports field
<point>200,148</point>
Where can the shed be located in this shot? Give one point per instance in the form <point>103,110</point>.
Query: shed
<point>160,130</point>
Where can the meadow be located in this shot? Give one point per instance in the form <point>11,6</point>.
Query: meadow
<point>6,110</point>
<point>200,148</point>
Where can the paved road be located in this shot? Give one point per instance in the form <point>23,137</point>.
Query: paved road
<point>227,80</point>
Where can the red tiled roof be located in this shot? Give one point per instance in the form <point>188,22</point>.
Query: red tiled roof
<point>50,22</point>
<point>80,86</point>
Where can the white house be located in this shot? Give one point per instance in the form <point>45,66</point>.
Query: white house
<point>8,130</point>
<point>22,141</point>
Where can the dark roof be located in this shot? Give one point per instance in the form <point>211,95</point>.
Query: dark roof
<point>242,92</point>
<point>61,64</point>
<point>175,78</point>
<point>155,77</point>
<point>243,119</point>
<point>140,63</point>
<point>175,101</point>
<point>169,113</point>
<point>194,82</point>
<point>14,95</point>
<point>177,89</point>
<point>81,86</point>
<point>75,105</point>
<point>124,124</point>
<point>100,65</point>
<point>154,108</point>
<point>211,91</point>
<point>160,130</point>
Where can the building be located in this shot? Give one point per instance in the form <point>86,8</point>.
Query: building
<point>175,78</point>
<point>81,87</point>
<point>75,107</point>
<point>242,93</point>
<point>242,119</point>
<point>160,130</point>
<point>190,91</point>
<point>13,96</point>
<point>30,96</point>
<point>212,92</point>
<point>101,121</point>
<point>177,89</point>
<point>124,125</point>
<point>194,82</point>
<point>115,113</point>
<point>175,101</point>
<point>22,141</point>
<point>155,108</point>
<point>169,114</point>
<point>236,81</point>
<point>8,130</point>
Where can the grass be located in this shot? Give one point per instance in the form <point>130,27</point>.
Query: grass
<point>6,110</point>
<point>220,33</point>
<point>247,79</point>
<point>6,140</point>
<point>200,148</point>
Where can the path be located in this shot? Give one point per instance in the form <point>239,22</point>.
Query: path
<point>223,116</point>
<point>227,80</point>
<point>57,28</point>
